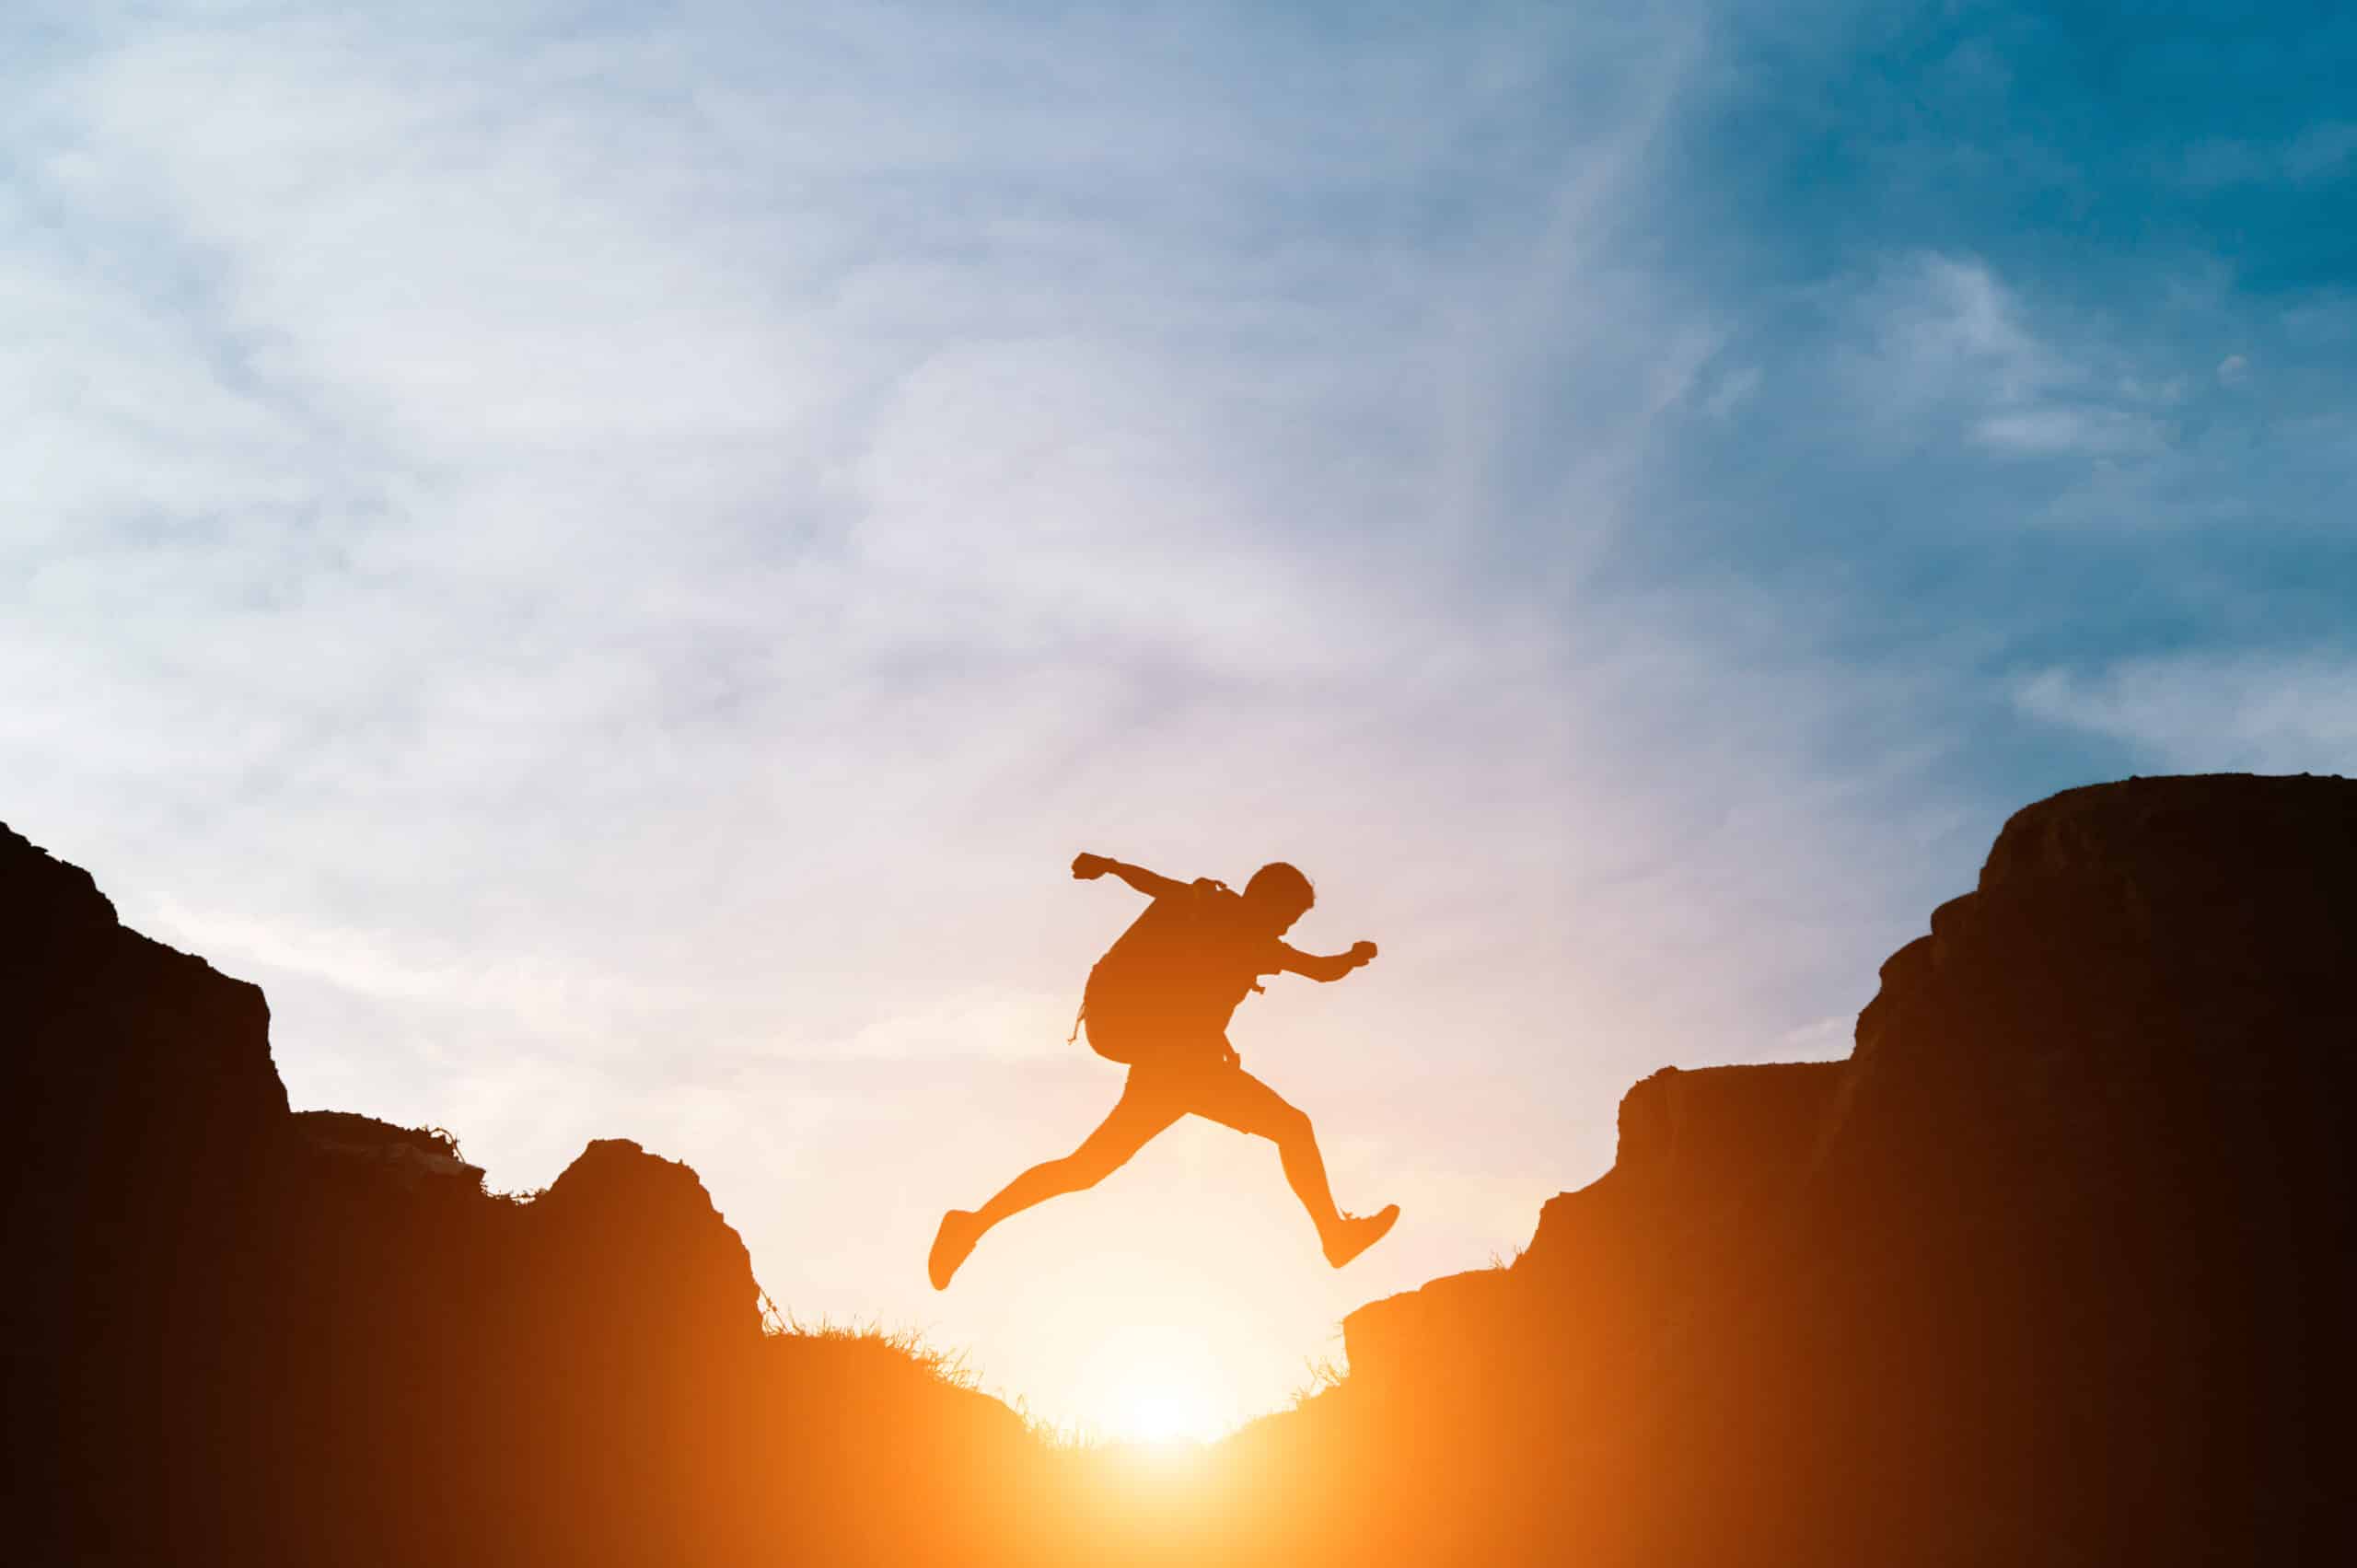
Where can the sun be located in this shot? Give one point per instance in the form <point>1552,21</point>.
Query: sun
<point>1154,1411</point>
<point>1159,1385</point>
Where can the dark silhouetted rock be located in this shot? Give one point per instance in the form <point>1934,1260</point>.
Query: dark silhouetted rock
<point>2056,1267</point>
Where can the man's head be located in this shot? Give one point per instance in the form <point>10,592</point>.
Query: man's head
<point>1279,894</point>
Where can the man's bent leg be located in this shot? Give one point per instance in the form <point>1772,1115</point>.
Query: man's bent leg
<point>1232,1098</point>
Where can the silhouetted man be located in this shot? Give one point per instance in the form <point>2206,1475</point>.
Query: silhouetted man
<point>1160,1000</point>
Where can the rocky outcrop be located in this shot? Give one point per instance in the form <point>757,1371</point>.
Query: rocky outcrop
<point>141,1103</point>
<point>122,1059</point>
<point>236,1331</point>
<point>239,1334</point>
<point>2055,1268</point>
<point>1703,1157</point>
<point>420,1154</point>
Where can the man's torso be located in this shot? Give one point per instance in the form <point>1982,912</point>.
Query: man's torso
<point>1179,970</point>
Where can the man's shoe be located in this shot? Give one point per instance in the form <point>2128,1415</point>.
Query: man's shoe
<point>952,1244</point>
<point>1355,1234</point>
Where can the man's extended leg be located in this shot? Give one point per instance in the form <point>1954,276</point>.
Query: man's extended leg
<point>1135,1120</point>
<point>1134,1123</point>
<point>1230,1095</point>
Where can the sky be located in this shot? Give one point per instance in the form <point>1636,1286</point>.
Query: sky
<point>610,556</point>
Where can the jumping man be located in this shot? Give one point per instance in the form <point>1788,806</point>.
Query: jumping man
<point>1160,1000</point>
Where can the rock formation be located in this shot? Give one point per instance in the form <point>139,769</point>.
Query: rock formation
<point>233,1333</point>
<point>2056,1267</point>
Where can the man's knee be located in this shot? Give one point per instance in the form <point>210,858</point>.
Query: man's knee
<point>1287,1124</point>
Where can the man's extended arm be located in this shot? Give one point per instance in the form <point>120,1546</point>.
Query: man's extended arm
<point>1319,966</point>
<point>1088,867</point>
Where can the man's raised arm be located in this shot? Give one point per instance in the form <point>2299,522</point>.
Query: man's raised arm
<point>1321,965</point>
<point>1089,867</point>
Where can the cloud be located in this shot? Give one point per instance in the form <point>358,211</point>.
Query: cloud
<point>1942,337</point>
<point>2049,431</point>
<point>2278,712</point>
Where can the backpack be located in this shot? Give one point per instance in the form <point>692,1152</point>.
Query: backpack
<point>1164,989</point>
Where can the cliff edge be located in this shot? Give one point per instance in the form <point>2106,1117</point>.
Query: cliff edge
<point>239,1334</point>
<point>2055,1268</point>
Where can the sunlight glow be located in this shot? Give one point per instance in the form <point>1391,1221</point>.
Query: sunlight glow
<point>1158,1384</point>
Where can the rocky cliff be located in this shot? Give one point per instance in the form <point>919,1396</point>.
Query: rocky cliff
<point>233,1333</point>
<point>2055,1268</point>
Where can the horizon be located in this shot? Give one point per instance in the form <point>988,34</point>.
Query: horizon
<point>611,563</point>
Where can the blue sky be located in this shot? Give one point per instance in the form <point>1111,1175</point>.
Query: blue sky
<point>609,557</point>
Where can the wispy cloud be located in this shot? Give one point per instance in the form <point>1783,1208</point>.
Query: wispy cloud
<point>1941,337</point>
<point>2276,712</point>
